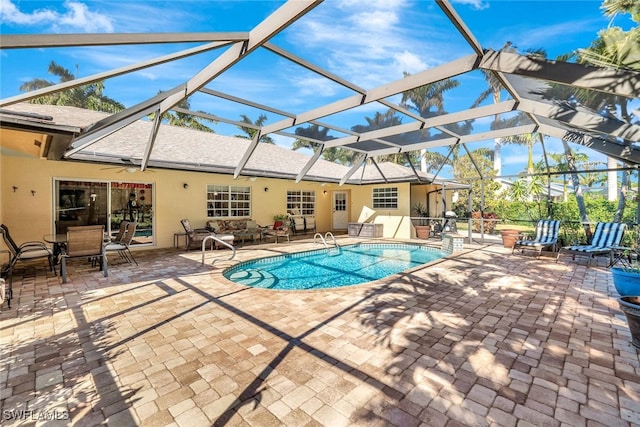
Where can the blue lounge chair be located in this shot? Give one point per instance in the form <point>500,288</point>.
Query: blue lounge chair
<point>546,236</point>
<point>606,237</point>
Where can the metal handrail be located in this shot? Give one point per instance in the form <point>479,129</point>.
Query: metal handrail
<point>330,234</point>
<point>322,238</point>
<point>204,241</point>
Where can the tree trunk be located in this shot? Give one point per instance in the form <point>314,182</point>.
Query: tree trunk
<point>612,179</point>
<point>497,157</point>
<point>577,189</point>
<point>622,198</point>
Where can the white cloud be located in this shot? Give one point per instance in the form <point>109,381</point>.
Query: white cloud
<point>475,4</point>
<point>76,16</point>
<point>370,42</point>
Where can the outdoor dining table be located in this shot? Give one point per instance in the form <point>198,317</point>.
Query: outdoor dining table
<point>59,241</point>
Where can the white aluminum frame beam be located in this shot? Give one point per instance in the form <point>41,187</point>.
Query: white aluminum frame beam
<point>624,153</point>
<point>112,73</point>
<point>587,121</point>
<point>432,122</point>
<point>22,41</point>
<point>431,75</point>
<point>608,80</point>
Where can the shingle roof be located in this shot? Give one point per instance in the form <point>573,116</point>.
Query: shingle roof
<point>187,149</point>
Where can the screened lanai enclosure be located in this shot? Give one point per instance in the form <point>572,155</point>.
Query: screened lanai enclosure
<point>358,97</point>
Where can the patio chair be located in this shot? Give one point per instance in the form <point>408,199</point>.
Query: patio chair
<point>87,242</point>
<point>122,246</point>
<point>606,237</point>
<point>278,230</point>
<point>118,237</point>
<point>546,237</point>
<point>27,251</point>
<point>195,236</point>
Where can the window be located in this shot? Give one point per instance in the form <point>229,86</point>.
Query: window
<point>228,201</point>
<point>385,198</point>
<point>301,202</point>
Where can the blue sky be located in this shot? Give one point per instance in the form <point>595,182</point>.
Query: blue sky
<point>366,42</point>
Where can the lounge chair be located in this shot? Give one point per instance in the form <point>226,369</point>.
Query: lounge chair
<point>27,251</point>
<point>546,237</point>
<point>606,237</point>
<point>85,242</point>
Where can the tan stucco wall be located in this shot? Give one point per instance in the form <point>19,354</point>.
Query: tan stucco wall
<point>30,217</point>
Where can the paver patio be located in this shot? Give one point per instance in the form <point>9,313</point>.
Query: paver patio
<point>482,338</point>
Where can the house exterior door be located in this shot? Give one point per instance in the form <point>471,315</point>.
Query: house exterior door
<point>340,212</point>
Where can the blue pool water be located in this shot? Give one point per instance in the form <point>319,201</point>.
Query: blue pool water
<point>330,268</point>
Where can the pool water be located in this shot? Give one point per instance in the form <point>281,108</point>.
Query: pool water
<point>332,267</point>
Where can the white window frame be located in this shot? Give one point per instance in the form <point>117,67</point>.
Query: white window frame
<point>228,201</point>
<point>384,198</point>
<point>301,202</point>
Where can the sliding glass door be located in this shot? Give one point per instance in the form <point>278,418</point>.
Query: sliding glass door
<point>133,202</point>
<point>104,203</point>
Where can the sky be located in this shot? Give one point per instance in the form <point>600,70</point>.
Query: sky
<point>367,42</point>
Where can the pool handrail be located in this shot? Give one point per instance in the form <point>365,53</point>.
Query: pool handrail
<point>212,237</point>
<point>324,239</point>
<point>330,234</point>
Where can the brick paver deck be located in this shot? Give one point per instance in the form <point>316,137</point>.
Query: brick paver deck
<point>481,339</point>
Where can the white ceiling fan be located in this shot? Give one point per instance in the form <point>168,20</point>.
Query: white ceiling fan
<point>129,166</point>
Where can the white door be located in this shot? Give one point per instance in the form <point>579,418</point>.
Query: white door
<point>340,214</point>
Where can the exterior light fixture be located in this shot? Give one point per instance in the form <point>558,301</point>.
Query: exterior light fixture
<point>185,185</point>
<point>266,189</point>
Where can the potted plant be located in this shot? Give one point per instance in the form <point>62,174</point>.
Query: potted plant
<point>280,220</point>
<point>630,306</point>
<point>626,280</point>
<point>422,226</point>
<point>510,237</point>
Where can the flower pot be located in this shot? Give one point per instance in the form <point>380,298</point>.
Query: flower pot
<point>626,282</point>
<point>509,237</point>
<point>423,231</point>
<point>630,306</point>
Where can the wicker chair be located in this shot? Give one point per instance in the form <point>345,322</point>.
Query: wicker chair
<point>87,242</point>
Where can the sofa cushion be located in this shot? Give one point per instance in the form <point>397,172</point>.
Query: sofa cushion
<point>214,226</point>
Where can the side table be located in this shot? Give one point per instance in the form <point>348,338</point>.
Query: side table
<point>176,239</point>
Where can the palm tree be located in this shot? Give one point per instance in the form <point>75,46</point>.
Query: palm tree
<point>381,121</point>
<point>251,131</point>
<point>615,47</point>
<point>89,96</point>
<point>494,89</point>
<point>619,49</point>
<point>427,101</point>
<point>318,133</point>
<point>190,121</point>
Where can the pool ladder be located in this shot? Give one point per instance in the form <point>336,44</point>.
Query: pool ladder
<point>324,239</point>
<point>204,246</point>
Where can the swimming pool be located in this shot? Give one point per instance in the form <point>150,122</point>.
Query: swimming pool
<point>332,267</point>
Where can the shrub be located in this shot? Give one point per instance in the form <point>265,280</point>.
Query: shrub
<point>489,226</point>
